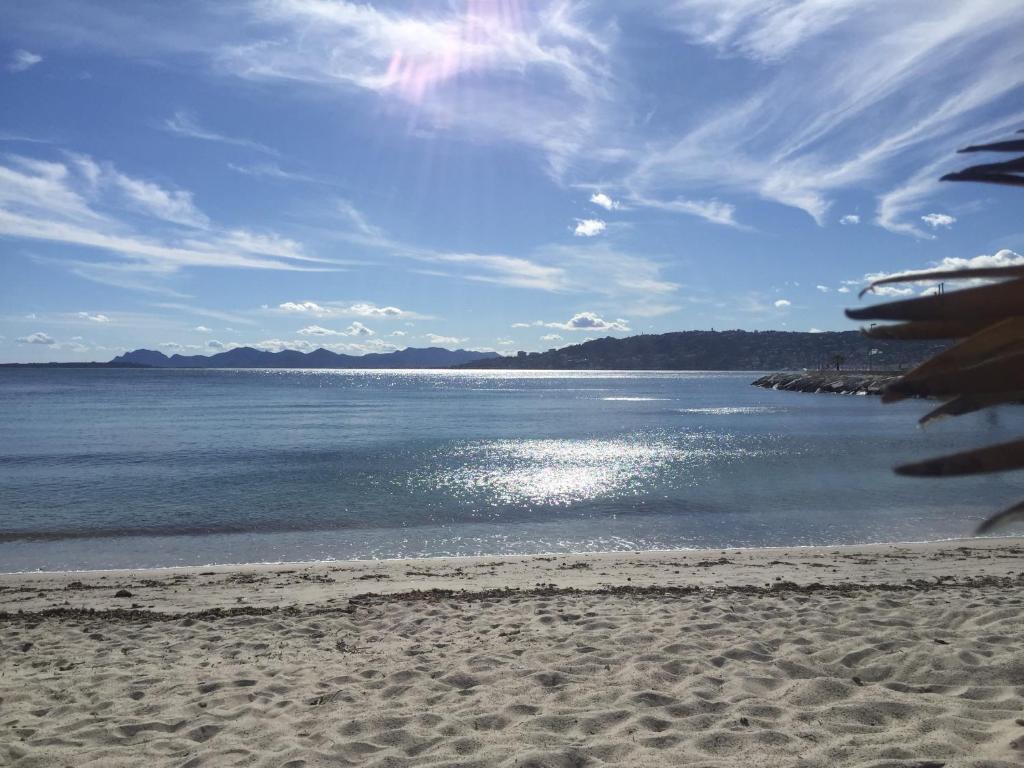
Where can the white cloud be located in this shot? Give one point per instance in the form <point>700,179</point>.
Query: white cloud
<point>30,186</point>
<point>936,220</point>
<point>310,307</point>
<point>70,204</point>
<point>713,211</point>
<point>832,95</point>
<point>274,171</point>
<point>185,124</point>
<point>371,310</point>
<point>355,329</point>
<point>398,333</point>
<point>599,268</point>
<point>316,330</point>
<point>304,345</point>
<point>765,32</point>
<point>829,116</point>
<point>36,338</point>
<point>484,69</point>
<point>601,199</point>
<point>783,303</point>
<point>850,218</point>
<point>550,337</point>
<point>95,318</point>
<point>358,329</point>
<point>843,289</point>
<point>438,340</point>
<point>216,314</point>
<point>175,205</point>
<point>589,227</point>
<point>559,268</point>
<point>1002,258</point>
<point>279,345</point>
<point>513,271</point>
<point>22,60</point>
<point>380,50</point>
<point>360,309</point>
<point>591,321</point>
<point>823,288</point>
<point>815,330</point>
<point>202,329</point>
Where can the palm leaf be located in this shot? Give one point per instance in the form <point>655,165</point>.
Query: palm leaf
<point>989,178</point>
<point>986,368</point>
<point>997,340</point>
<point>922,330</point>
<point>1011,515</point>
<point>986,303</point>
<point>969,404</point>
<point>1013,145</point>
<point>994,458</point>
<point>1014,270</point>
<point>999,375</point>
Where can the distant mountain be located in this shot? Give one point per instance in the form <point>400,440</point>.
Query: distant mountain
<point>247,357</point>
<point>724,351</point>
<point>73,365</point>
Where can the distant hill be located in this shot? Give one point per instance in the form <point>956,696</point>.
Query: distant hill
<point>73,365</point>
<point>724,351</point>
<point>247,357</point>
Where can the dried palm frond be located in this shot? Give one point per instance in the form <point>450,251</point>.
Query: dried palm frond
<point>1013,514</point>
<point>986,368</point>
<point>958,406</point>
<point>994,458</point>
<point>1014,270</point>
<point>985,304</point>
<point>923,331</point>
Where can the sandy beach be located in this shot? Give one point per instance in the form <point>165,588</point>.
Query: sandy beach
<point>887,655</point>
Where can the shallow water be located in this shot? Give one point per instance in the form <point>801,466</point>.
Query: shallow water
<point>131,468</point>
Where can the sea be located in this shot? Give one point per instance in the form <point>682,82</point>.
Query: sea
<point>129,468</point>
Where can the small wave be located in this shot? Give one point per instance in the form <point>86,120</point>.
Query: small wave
<point>729,410</point>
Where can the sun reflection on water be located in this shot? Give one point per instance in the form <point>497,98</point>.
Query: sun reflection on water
<point>562,472</point>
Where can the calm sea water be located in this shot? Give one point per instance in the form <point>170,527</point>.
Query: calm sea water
<point>131,468</point>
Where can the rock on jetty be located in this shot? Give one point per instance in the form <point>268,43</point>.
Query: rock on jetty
<point>835,382</point>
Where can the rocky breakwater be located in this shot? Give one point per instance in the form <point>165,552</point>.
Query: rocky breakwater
<point>834,382</point>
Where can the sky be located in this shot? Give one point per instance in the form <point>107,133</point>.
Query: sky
<point>487,174</point>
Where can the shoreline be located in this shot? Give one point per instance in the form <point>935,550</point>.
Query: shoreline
<point>553,553</point>
<point>203,587</point>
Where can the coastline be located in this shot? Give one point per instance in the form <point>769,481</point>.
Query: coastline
<point>307,583</point>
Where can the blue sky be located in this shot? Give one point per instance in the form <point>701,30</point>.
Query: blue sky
<point>492,175</point>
